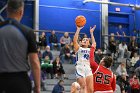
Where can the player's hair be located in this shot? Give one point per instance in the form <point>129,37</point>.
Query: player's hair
<point>108,61</point>
<point>83,38</point>
<point>14,5</point>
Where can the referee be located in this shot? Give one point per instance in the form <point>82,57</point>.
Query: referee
<point>17,46</point>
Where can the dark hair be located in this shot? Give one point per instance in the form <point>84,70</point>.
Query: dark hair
<point>108,61</point>
<point>60,81</point>
<point>133,74</point>
<point>55,59</point>
<point>14,5</point>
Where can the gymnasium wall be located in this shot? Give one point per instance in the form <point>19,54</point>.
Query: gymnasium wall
<point>28,13</point>
<point>125,17</point>
<point>60,15</point>
<point>28,18</point>
<point>137,19</point>
<point>138,16</point>
<point>137,13</point>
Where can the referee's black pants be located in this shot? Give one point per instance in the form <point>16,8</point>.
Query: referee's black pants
<point>15,83</point>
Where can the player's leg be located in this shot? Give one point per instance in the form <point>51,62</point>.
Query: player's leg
<point>80,74</point>
<point>89,82</point>
<point>82,83</point>
<point>89,79</point>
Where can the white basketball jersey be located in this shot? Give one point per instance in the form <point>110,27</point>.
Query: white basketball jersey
<point>83,56</point>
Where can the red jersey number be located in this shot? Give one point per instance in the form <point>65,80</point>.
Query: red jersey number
<point>102,78</point>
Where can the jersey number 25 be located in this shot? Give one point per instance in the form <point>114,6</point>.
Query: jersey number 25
<point>102,78</point>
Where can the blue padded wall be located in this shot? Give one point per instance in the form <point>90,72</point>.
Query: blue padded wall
<point>28,12</point>
<point>60,15</point>
<point>125,17</point>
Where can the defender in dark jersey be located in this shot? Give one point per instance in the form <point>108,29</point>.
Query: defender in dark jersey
<point>17,44</point>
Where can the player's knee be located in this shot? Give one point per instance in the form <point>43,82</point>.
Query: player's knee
<point>83,86</point>
<point>90,90</point>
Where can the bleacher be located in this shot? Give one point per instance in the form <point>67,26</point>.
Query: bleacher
<point>70,73</point>
<point>69,69</point>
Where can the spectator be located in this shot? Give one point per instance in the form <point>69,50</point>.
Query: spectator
<point>133,46</point>
<point>53,40</point>
<point>75,87</point>
<point>135,84</point>
<point>18,45</point>
<point>43,40</point>
<point>137,63</point>
<point>123,83</point>
<point>120,33</point>
<point>121,69</point>
<point>65,39</point>
<point>134,59</point>
<point>59,87</point>
<point>73,54</point>
<point>48,53</point>
<point>123,50</point>
<point>118,90</point>
<point>47,67</point>
<point>58,68</point>
<point>112,44</point>
<point>43,82</point>
<point>79,42</point>
<point>139,48</point>
<point>98,56</point>
<point>39,53</point>
<point>137,71</point>
<point>65,54</point>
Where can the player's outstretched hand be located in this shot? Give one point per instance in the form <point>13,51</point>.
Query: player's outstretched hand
<point>79,28</point>
<point>92,29</point>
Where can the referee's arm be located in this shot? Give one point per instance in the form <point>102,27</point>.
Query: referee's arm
<point>34,60</point>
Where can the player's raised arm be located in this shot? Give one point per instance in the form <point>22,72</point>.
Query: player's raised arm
<point>93,47</point>
<point>92,61</point>
<point>92,29</point>
<point>93,64</point>
<point>75,39</point>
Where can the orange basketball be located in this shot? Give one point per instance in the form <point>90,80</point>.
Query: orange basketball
<point>80,21</point>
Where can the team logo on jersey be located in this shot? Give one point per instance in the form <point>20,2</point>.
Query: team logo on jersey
<point>85,51</point>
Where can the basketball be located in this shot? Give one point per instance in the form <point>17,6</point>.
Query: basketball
<point>80,21</point>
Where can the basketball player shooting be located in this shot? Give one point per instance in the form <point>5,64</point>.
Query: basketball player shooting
<point>104,79</point>
<point>83,71</point>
